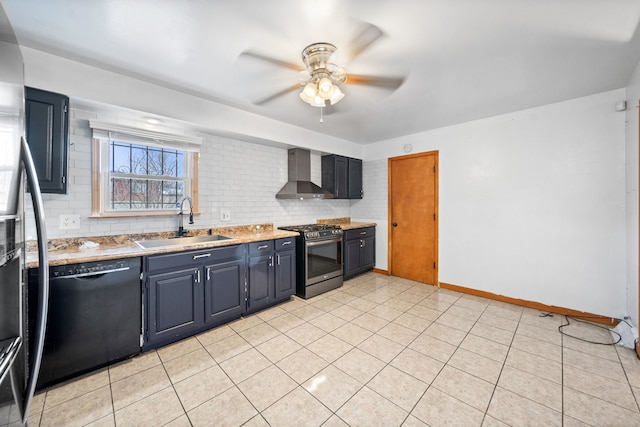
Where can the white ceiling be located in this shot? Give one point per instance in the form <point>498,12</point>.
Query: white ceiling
<point>463,59</point>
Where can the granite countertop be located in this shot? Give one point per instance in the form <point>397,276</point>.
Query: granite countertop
<point>346,223</point>
<point>77,250</point>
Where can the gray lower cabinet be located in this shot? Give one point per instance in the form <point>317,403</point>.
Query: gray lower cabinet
<point>224,286</point>
<point>185,293</point>
<point>261,286</point>
<point>285,269</point>
<point>359,251</point>
<point>175,305</point>
<point>272,273</point>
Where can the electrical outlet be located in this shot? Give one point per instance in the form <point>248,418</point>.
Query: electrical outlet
<point>69,222</point>
<point>225,215</point>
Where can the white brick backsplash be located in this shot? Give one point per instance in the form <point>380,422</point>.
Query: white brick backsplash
<point>375,189</point>
<point>236,175</point>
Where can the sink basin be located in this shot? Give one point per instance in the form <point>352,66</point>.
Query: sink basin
<point>180,241</point>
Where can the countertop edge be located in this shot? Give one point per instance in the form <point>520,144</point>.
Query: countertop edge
<point>109,252</point>
<point>354,225</point>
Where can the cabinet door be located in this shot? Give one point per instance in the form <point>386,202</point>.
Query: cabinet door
<point>261,282</point>
<point>352,258</point>
<point>285,274</point>
<point>47,128</point>
<point>342,178</point>
<point>174,304</point>
<point>368,253</point>
<point>335,175</point>
<point>224,291</point>
<point>355,179</point>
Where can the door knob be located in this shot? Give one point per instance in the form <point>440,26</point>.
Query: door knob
<point>395,224</point>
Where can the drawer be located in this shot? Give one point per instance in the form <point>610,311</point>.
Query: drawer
<point>174,260</point>
<point>226,252</point>
<point>264,246</point>
<point>192,258</point>
<point>359,233</point>
<point>287,244</point>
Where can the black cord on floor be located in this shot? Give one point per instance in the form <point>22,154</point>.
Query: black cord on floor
<point>594,325</point>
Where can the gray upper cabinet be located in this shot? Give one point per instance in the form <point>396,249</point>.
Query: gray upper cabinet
<point>355,179</point>
<point>342,176</point>
<point>47,129</point>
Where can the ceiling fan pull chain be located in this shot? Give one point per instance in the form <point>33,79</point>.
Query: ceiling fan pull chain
<point>321,119</point>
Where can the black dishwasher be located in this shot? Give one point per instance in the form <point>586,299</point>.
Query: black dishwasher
<point>94,317</point>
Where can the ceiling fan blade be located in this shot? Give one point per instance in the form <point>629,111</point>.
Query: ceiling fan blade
<point>364,39</point>
<point>277,95</point>
<point>378,81</point>
<point>275,61</point>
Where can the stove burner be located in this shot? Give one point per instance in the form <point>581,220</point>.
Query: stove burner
<point>309,227</point>
<point>311,232</point>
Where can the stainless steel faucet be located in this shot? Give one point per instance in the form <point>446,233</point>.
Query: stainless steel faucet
<point>181,230</point>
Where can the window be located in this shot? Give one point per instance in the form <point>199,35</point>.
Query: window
<point>137,172</point>
<point>143,177</point>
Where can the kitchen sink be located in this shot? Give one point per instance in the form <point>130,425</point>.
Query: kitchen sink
<point>180,241</point>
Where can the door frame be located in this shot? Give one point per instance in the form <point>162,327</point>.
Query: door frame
<point>435,153</point>
<point>637,346</point>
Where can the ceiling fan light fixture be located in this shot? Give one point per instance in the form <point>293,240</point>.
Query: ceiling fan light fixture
<point>310,91</point>
<point>336,96</point>
<point>318,102</point>
<point>326,87</point>
<point>321,78</point>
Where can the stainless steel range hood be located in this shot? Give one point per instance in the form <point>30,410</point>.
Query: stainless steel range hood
<point>299,185</point>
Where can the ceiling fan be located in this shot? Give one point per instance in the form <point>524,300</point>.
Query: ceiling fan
<point>320,78</point>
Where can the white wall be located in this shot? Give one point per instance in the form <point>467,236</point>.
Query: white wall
<point>633,97</point>
<point>531,203</point>
<point>237,175</point>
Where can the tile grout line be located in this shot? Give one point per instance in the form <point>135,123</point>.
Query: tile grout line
<point>495,387</point>
<point>636,398</point>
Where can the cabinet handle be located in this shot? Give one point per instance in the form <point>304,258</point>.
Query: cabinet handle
<point>208,274</point>
<point>278,256</point>
<point>201,256</point>
<point>270,261</point>
<point>263,247</point>
<point>198,276</point>
<point>287,243</point>
<point>363,233</point>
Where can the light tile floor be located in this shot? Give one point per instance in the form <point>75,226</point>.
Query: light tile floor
<point>380,351</point>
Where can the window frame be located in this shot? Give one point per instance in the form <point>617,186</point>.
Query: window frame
<point>100,168</point>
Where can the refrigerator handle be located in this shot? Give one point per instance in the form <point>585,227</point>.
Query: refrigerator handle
<point>43,279</point>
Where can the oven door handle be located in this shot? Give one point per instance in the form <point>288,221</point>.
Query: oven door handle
<point>322,242</point>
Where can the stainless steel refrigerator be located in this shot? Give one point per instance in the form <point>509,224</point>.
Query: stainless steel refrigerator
<point>18,366</point>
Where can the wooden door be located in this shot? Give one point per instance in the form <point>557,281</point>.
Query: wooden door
<point>413,219</point>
